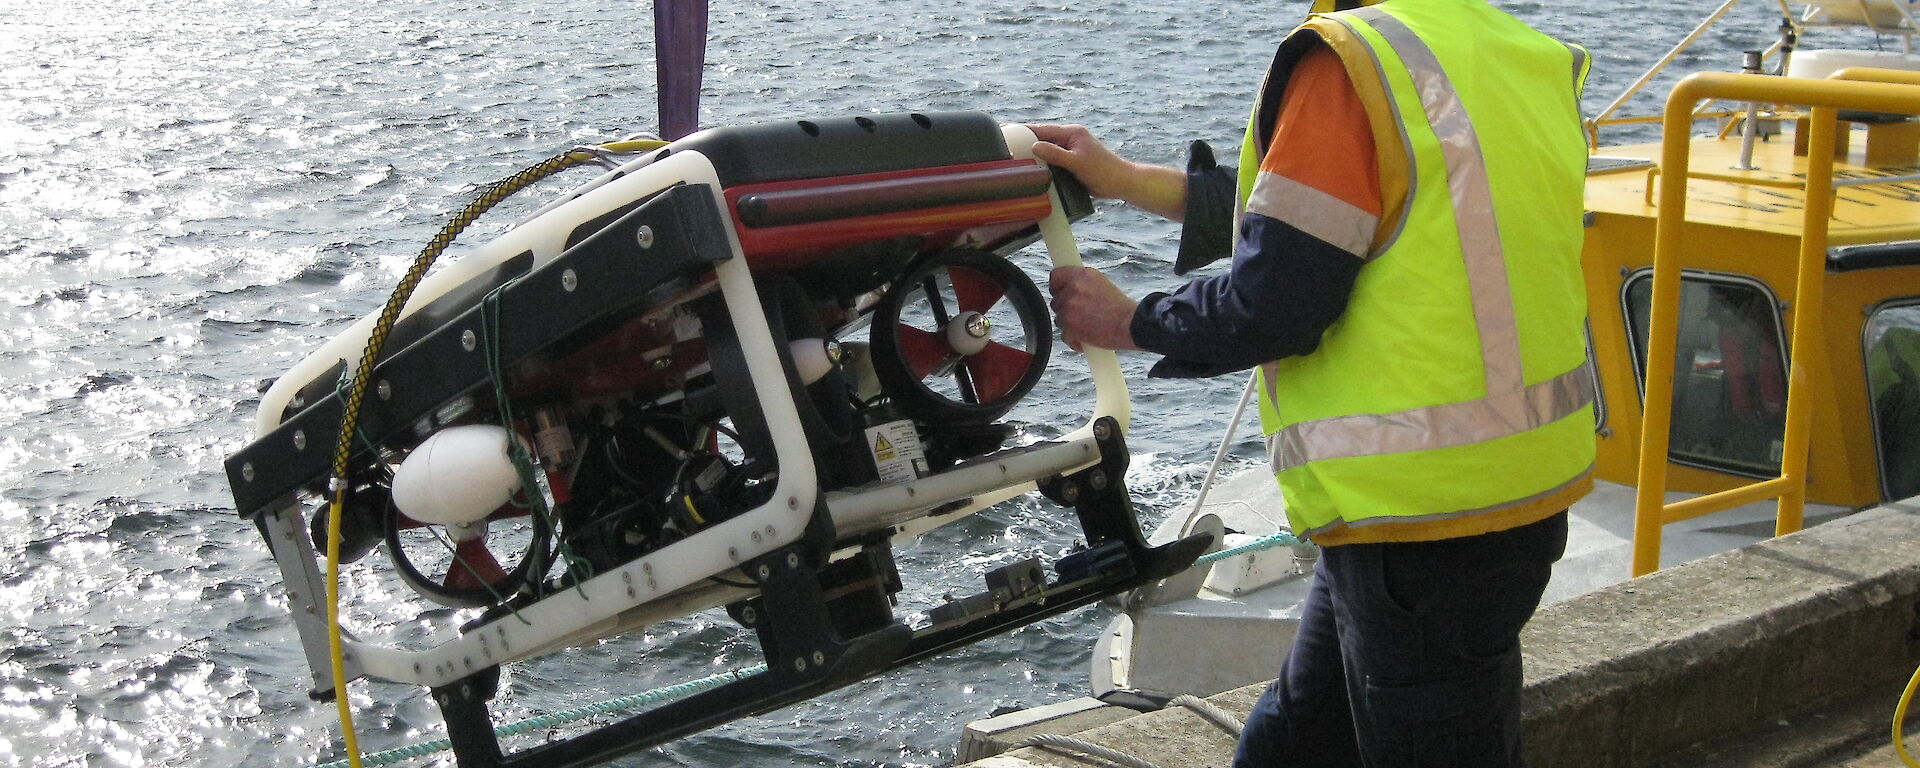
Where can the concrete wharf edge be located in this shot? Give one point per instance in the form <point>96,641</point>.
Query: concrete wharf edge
<point>1667,669</point>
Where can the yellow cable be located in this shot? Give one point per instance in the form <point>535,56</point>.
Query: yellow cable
<point>1900,719</point>
<point>357,391</point>
<point>635,145</point>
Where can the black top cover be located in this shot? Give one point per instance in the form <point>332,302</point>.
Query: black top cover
<point>845,146</point>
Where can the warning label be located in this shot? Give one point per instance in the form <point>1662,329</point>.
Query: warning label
<point>897,457</point>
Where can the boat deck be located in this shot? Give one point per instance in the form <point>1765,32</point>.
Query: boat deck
<point>1766,199</point>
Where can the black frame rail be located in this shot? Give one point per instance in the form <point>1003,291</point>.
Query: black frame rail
<point>808,653</point>
<point>617,272</point>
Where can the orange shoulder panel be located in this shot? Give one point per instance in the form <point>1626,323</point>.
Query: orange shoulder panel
<point>1323,139</point>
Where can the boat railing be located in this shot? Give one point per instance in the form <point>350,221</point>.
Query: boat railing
<point>1706,109</point>
<point>1884,17</point>
<point>1853,88</point>
<point>1854,74</point>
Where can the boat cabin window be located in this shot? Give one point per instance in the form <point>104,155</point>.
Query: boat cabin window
<point>1893,384</point>
<point>1729,384</point>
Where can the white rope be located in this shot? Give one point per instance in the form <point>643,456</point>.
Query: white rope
<point>1207,711</point>
<point>1211,713</point>
<point>1226,442</point>
<point>1057,742</point>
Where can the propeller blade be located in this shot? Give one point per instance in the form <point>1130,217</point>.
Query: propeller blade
<point>995,370</point>
<point>473,566</point>
<point>923,350</point>
<point>976,291</point>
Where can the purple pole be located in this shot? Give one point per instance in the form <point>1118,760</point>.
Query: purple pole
<point>679,55</point>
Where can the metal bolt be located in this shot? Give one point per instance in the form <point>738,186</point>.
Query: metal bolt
<point>979,326</point>
<point>793,502</point>
<point>835,352</point>
<point>1098,480</point>
<point>299,440</point>
<point>819,659</point>
<point>733,553</point>
<point>644,236</point>
<point>569,280</point>
<point>756,537</point>
<point>299,401</point>
<point>246,471</point>
<point>765,572</point>
<point>468,341</point>
<point>663,362</point>
<point>1070,492</point>
<point>384,390</point>
<point>646,568</point>
<point>799,665</point>
<point>793,560</point>
<point>749,616</point>
<point>466,690</point>
<point>626,576</point>
<point>652,584</point>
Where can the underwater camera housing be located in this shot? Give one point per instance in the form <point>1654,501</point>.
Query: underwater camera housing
<point>729,371</point>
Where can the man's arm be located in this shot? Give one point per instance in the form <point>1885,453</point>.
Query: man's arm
<point>1307,230</point>
<point>1154,188</point>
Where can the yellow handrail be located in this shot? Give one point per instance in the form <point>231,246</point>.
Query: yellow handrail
<point>1877,75</point>
<point>1863,89</point>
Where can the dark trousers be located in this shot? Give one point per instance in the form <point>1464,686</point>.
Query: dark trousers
<point>1408,656</point>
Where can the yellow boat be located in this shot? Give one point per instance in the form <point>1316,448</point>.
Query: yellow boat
<point>1771,247</point>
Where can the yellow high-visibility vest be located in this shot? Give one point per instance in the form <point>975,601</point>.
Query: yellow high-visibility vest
<point>1453,397</point>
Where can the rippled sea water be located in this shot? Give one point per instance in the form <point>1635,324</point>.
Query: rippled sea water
<point>195,193</point>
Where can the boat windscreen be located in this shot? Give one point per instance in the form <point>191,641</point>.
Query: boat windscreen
<point>1729,386</point>
<point>1893,384</point>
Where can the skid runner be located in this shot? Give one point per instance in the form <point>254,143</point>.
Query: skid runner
<point>728,371</point>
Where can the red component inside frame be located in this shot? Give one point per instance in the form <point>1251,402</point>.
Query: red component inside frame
<point>787,224</point>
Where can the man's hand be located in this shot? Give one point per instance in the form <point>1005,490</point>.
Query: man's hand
<point>1074,148</point>
<point>1154,188</point>
<point>1092,311</point>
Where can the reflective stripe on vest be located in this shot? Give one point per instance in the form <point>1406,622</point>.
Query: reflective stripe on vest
<point>1433,427</point>
<point>1511,406</point>
<point>1335,221</point>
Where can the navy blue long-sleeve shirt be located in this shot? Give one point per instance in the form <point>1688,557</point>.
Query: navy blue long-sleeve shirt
<point>1299,247</point>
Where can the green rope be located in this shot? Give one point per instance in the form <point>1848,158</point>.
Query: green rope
<point>516,451</point>
<point>1281,539</point>
<point>560,718</point>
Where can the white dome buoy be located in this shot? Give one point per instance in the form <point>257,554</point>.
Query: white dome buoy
<point>813,358</point>
<point>457,476</point>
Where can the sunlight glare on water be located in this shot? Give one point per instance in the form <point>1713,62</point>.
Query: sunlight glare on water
<point>194,194</point>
